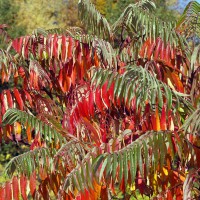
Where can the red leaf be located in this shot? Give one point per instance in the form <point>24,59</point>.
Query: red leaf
<point>79,70</point>
<point>179,195</point>
<point>26,47</point>
<point>2,193</point>
<point>33,184</point>
<point>82,110</point>
<point>98,100</point>
<point>18,98</point>
<point>3,76</point>
<point>122,185</point>
<point>28,97</point>
<point>70,48</point>
<point>1,132</point>
<point>173,53</point>
<point>69,68</point>
<point>105,96</point>
<point>94,135</point>
<point>143,49</point>
<point>9,99</point>
<point>73,75</point>
<point>96,59</point>
<point>3,103</point>
<point>158,48</point>
<point>49,46</point>
<point>55,46</point>
<point>21,72</point>
<point>15,43</point>
<point>60,78</point>
<point>63,54</point>
<point>23,184</point>
<point>85,107</point>
<point>91,103</point>
<point>19,45</point>
<point>162,53</point>
<point>163,119</point>
<point>167,54</point>
<point>150,50</point>
<point>15,188</point>
<point>169,195</point>
<point>8,191</point>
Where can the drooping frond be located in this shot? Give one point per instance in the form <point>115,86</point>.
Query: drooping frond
<point>69,155</point>
<point>48,133</point>
<point>28,162</point>
<point>189,22</point>
<point>137,83</point>
<point>7,65</point>
<point>195,58</point>
<point>142,24</point>
<point>103,48</point>
<point>94,20</point>
<point>126,18</point>
<point>192,123</point>
<point>118,166</point>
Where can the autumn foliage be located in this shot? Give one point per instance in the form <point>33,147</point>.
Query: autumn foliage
<point>104,116</point>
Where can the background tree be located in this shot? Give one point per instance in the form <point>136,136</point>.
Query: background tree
<point>9,10</point>
<point>47,14</point>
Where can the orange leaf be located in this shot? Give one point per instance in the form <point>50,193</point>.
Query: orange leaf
<point>15,188</point>
<point>96,59</point>
<point>33,184</point>
<point>177,82</point>
<point>23,184</point>
<point>28,132</point>
<point>156,121</point>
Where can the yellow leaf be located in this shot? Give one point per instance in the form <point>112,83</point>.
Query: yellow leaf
<point>17,128</point>
<point>165,170</point>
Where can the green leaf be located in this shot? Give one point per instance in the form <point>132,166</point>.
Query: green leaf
<point>114,166</point>
<point>103,168</point>
<point>125,167</point>
<point>120,167</point>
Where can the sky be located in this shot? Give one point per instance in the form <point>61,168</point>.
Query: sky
<point>183,3</point>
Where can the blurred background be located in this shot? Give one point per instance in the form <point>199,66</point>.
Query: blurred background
<point>23,16</point>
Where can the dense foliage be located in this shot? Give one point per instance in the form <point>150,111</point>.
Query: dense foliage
<point>110,115</point>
